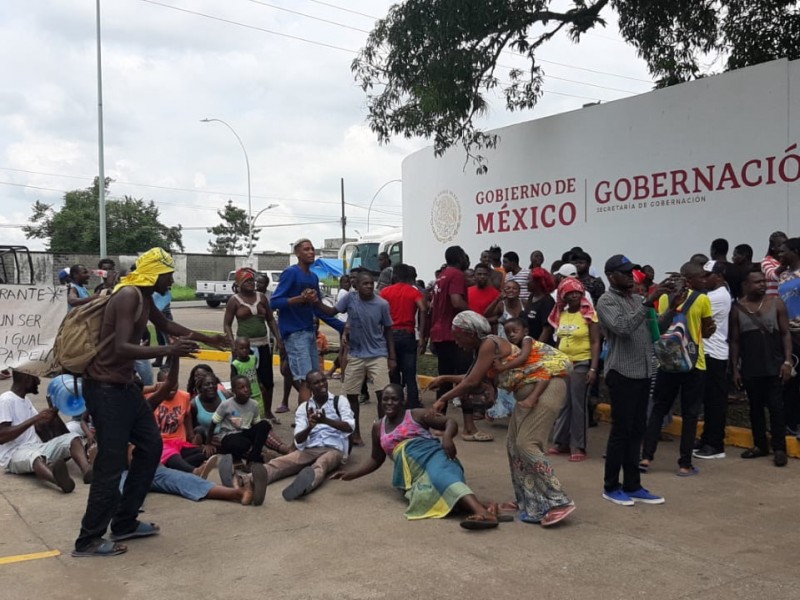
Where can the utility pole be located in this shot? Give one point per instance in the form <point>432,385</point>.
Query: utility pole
<point>344,218</point>
<point>101,184</point>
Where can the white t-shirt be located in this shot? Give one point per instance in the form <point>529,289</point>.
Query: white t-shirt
<point>342,293</point>
<point>16,410</point>
<point>717,345</point>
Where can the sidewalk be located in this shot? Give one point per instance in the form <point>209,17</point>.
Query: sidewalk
<point>725,534</point>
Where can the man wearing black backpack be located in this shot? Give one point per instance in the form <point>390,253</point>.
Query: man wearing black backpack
<point>118,408</point>
<point>687,304</point>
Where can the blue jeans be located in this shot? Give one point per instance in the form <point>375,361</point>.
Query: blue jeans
<point>120,415</point>
<point>144,371</point>
<point>405,347</point>
<point>301,353</point>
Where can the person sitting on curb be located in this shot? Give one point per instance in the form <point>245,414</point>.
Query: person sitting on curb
<point>323,424</point>
<point>22,450</point>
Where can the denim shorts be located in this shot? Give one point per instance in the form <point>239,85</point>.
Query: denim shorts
<point>301,352</point>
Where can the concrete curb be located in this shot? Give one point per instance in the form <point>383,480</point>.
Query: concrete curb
<point>738,437</point>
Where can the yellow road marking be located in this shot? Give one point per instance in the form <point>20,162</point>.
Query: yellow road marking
<point>6,560</point>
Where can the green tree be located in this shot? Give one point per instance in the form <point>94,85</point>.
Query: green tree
<point>131,225</point>
<point>231,236</point>
<point>428,65</point>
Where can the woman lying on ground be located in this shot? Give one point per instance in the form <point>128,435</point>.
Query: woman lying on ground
<point>425,469</point>
<point>540,390</point>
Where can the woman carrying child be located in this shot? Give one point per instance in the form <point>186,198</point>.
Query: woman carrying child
<point>538,383</point>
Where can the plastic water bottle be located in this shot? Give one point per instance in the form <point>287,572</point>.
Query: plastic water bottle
<point>66,394</point>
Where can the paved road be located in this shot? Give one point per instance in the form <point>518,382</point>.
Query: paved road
<point>201,316</point>
<point>726,534</point>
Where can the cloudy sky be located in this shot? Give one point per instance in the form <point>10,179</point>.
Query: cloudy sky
<point>278,72</point>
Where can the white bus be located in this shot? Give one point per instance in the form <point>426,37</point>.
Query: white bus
<point>364,252</point>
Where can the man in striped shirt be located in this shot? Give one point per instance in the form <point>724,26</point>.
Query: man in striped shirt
<point>771,265</point>
<point>516,273</point>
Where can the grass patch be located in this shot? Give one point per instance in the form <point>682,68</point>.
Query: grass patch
<point>181,293</point>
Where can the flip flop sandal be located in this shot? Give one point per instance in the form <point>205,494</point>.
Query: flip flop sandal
<point>102,548</point>
<point>61,476</point>
<point>555,451</point>
<point>225,469</point>
<point>691,473</point>
<point>578,457</point>
<point>142,530</point>
<point>479,522</point>
<point>274,420</point>
<point>478,436</point>
<point>508,507</point>
<point>644,467</point>
<point>502,517</point>
<point>301,485</point>
<point>282,409</point>
<point>558,514</point>
<point>259,473</point>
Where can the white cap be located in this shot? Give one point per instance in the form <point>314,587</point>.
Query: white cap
<point>568,270</point>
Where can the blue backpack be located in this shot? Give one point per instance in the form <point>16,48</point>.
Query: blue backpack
<point>675,350</point>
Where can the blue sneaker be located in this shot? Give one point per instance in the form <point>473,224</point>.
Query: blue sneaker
<point>619,497</point>
<point>642,495</point>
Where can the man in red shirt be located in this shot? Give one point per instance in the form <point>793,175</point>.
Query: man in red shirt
<point>406,301</point>
<point>481,295</point>
<point>449,299</point>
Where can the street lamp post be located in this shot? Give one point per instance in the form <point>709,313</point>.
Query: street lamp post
<point>250,261</point>
<point>369,210</point>
<point>249,199</point>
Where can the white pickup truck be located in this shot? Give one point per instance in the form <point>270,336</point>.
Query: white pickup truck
<point>218,292</point>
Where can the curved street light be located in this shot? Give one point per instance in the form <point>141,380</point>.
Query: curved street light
<point>249,199</point>
<point>369,210</point>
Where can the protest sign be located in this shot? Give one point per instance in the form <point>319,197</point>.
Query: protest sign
<point>29,320</point>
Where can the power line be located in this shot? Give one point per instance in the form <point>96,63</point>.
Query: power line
<point>294,12</point>
<point>552,62</point>
<point>200,206</point>
<point>546,76</point>
<point>348,10</point>
<point>247,26</point>
<point>169,188</point>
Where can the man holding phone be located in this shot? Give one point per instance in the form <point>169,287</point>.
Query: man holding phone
<point>683,295</point>
<point>323,425</point>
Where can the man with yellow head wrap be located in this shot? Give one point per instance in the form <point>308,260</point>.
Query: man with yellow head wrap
<point>118,408</point>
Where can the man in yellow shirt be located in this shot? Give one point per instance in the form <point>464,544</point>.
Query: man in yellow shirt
<point>689,384</point>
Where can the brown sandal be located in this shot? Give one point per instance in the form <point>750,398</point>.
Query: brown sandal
<point>477,522</point>
<point>501,516</point>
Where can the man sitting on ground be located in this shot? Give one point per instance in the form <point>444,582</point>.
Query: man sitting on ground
<point>323,424</point>
<point>21,448</point>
